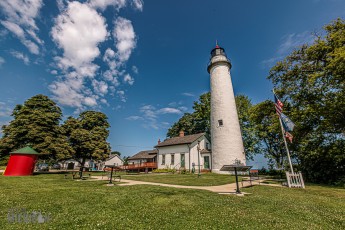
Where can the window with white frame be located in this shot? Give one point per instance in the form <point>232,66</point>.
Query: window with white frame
<point>163,159</point>
<point>172,159</point>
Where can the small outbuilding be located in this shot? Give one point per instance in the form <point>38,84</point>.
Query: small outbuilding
<point>21,162</point>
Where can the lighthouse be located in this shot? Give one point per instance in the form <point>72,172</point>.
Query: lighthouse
<point>226,138</point>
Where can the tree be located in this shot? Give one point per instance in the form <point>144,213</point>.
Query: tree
<point>36,123</point>
<point>116,153</point>
<point>199,121</point>
<point>311,82</point>
<point>250,138</point>
<point>268,132</point>
<point>88,135</point>
<point>185,123</point>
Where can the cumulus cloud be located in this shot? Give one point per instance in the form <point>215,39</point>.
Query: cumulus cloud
<point>100,87</point>
<point>78,32</point>
<point>151,115</point>
<point>68,90</point>
<point>128,79</point>
<point>21,56</point>
<point>121,95</point>
<point>103,4</point>
<point>125,38</point>
<point>20,20</point>
<point>90,101</point>
<point>138,4</point>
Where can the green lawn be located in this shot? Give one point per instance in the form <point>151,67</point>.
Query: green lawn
<point>91,205</point>
<point>208,179</point>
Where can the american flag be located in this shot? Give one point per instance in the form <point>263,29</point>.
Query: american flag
<point>278,104</point>
<point>289,136</point>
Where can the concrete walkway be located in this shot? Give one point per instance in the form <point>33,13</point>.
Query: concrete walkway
<point>223,189</point>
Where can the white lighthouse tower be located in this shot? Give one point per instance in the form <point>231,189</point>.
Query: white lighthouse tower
<point>226,138</point>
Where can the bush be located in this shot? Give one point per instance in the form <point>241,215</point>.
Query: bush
<point>4,160</point>
<point>166,170</point>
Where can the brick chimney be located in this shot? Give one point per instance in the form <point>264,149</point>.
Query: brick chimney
<point>181,134</point>
<point>159,141</point>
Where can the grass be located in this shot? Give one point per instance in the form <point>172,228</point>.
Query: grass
<point>208,179</point>
<point>91,205</point>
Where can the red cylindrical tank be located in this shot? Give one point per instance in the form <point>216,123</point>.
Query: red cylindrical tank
<point>21,162</point>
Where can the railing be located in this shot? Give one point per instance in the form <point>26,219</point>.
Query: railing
<point>140,165</point>
<point>295,180</point>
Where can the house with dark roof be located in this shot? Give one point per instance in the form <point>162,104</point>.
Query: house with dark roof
<point>113,159</point>
<point>146,160</point>
<point>185,152</point>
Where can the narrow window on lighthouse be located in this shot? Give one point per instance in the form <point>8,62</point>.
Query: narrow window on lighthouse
<point>220,123</point>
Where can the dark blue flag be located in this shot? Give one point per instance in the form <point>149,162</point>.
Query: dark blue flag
<point>287,123</point>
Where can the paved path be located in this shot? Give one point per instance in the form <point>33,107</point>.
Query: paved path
<point>227,188</point>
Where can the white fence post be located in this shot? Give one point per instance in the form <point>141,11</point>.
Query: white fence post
<point>295,180</point>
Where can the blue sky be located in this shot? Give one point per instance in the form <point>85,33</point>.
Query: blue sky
<point>143,63</point>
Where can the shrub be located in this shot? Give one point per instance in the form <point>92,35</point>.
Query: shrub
<point>166,170</point>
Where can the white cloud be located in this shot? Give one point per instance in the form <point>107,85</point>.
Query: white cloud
<point>14,28</point>
<point>138,4</point>
<point>5,111</point>
<point>89,101</point>
<point>121,95</point>
<point>78,31</point>
<point>61,4</point>
<point>100,87</point>
<point>135,69</point>
<point>293,41</point>
<point>150,116</point>
<point>54,72</point>
<point>20,20</point>
<point>2,61</point>
<point>103,4</point>
<point>21,56</point>
<point>68,91</point>
<point>169,110</point>
<point>125,38</point>
<point>183,108</point>
<point>128,79</point>
<point>288,44</point>
<point>134,118</point>
<point>149,112</point>
<point>188,94</point>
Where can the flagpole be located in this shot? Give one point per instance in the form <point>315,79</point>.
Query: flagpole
<point>287,149</point>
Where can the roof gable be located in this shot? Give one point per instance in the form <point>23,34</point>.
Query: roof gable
<point>180,140</point>
<point>147,154</point>
<point>25,150</point>
<point>115,155</point>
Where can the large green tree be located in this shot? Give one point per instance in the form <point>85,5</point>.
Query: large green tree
<point>36,123</point>
<point>268,131</point>
<point>88,135</point>
<point>311,81</point>
<point>199,121</point>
